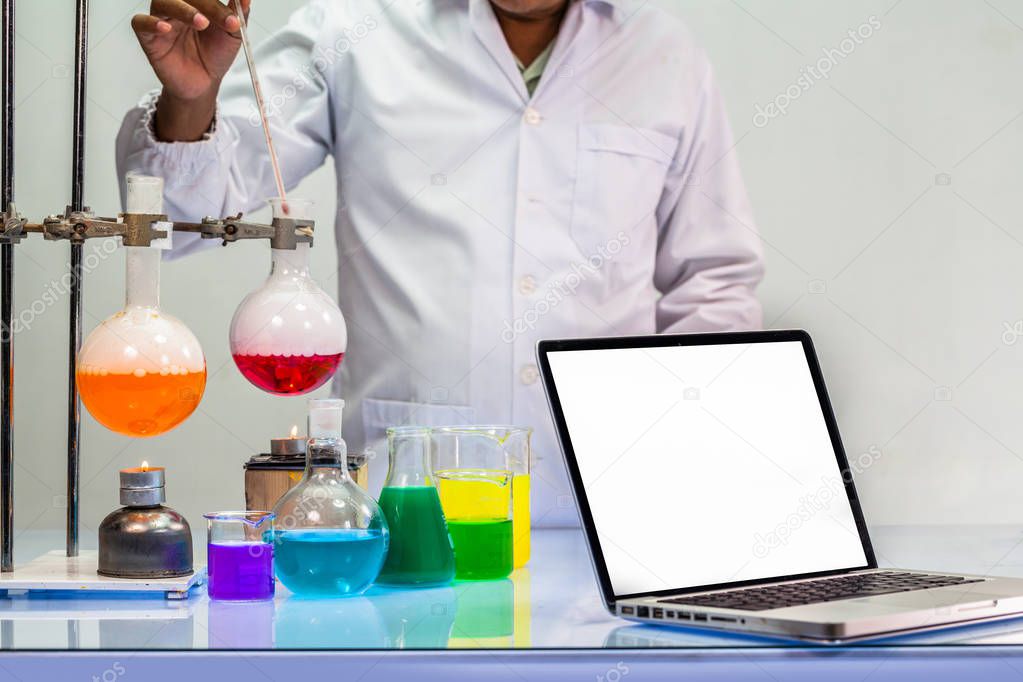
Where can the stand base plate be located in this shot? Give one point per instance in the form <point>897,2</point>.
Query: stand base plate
<point>55,572</point>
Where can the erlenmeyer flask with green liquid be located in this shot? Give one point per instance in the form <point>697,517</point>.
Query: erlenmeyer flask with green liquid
<point>420,552</point>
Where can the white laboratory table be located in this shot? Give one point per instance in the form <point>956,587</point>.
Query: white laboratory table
<point>545,622</point>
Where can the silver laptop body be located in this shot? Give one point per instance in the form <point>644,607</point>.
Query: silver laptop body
<point>714,492</point>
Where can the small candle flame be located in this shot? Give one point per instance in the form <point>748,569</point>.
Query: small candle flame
<point>294,431</point>
<point>145,465</point>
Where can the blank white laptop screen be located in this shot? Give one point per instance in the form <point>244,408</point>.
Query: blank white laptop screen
<point>705,464</point>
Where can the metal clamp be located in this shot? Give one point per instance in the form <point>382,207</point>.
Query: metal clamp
<point>76,226</point>
<point>289,232</point>
<point>136,229</point>
<point>283,233</point>
<point>13,225</point>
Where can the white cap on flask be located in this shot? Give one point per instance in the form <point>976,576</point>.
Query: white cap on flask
<point>145,194</point>
<point>325,418</point>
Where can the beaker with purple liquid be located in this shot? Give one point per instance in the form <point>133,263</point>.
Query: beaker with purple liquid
<point>239,556</point>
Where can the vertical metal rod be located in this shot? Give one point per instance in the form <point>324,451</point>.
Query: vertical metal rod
<point>75,316</point>
<point>7,301</point>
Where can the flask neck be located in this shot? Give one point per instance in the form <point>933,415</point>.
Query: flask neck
<point>326,458</point>
<point>290,264</point>
<point>409,459</point>
<point>142,277</point>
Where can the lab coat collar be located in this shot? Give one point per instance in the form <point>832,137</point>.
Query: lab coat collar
<point>488,30</point>
<point>485,26</point>
<point>613,4</point>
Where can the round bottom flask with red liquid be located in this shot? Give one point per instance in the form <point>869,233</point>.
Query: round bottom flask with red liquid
<point>288,337</point>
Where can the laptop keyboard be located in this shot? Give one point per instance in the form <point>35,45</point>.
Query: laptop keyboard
<point>821,590</point>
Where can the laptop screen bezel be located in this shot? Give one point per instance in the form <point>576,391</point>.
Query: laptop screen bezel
<point>544,348</point>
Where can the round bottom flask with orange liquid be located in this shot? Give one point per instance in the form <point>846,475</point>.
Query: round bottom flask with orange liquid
<point>141,372</point>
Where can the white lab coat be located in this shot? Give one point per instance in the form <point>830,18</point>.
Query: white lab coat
<point>474,220</point>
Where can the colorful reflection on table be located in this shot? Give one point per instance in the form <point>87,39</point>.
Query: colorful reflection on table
<point>344,623</point>
<point>241,625</point>
<point>484,614</point>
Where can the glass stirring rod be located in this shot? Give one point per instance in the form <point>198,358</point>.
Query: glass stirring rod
<point>260,103</point>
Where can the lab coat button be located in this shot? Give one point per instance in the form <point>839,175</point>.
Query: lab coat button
<point>527,285</point>
<point>533,117</point>
<point>529,374</point>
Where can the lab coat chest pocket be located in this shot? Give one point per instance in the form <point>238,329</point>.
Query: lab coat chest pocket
<point>379,415</point>
<point>620,175</point>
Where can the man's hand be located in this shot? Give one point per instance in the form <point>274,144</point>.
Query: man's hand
<point>190,45</point>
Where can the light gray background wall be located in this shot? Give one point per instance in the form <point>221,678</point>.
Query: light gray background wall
<point>887,197</point>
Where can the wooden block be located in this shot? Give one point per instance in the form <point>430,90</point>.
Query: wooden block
<point>264,487</point>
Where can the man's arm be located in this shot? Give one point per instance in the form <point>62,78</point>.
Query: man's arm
<point>709,258</point>
<point>228,171</point>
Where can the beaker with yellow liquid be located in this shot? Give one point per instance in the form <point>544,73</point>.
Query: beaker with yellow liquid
<point>508,443</point>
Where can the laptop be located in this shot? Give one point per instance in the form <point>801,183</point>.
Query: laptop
<point>714,492</point>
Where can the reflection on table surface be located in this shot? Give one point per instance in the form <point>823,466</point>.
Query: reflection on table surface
<point>552,603</point>
<point>487,615</point>
<point>1005,632</point>
<point>463,615</point>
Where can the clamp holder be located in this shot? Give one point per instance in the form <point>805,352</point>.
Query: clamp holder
<point>137,229</point>
<point>13,225</point>
<point>283,233</point>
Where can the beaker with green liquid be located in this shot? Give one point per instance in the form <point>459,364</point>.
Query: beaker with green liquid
<point>420,551</point>
<point>511,447</point>
<point>477,494</point>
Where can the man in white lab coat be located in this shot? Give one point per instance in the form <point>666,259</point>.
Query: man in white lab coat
<point>508,170</point>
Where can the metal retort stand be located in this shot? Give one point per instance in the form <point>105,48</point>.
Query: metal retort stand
<point>76,224</point>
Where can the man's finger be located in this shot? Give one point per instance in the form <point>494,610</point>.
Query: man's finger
<point>180,10</point>
<point>222,15</point>
<point>149,26</point>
